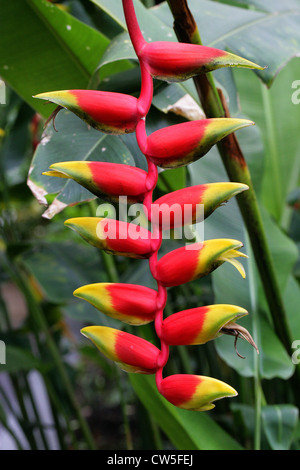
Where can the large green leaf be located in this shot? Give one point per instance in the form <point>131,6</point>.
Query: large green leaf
<point>58,268</point>
<point>269,5</point>
<point>18,359</point>
<point>171,180</point>
<point>73,141</point>
<point>16,150</point>
<point>280,423</point>
<point>44,48</point>
<point>187,430</point>
<point>77,141</point>
<point>153,28</point>
<point>291,297</point>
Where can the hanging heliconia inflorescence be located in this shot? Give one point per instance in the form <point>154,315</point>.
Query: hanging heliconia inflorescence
<point>170,147</point>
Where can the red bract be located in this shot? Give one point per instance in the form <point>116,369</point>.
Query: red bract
<point>176,62</point>
<point>109,112</point>
<point>131,353</point>
<point>197,260</point>
<point>129,303</point>
<point>190,205</point>
<point>105,180</point>
<point>114,236</point>
<point>199,325</point>
<point>184,143</point>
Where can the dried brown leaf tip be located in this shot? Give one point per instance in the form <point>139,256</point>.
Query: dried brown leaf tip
<point>52,117</point>
<point>233,329</point>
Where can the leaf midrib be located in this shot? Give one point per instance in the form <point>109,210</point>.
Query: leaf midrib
<point>247,25</point>
<point>62,43</point>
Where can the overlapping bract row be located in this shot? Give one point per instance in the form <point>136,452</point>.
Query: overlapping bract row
<point>170,147</point>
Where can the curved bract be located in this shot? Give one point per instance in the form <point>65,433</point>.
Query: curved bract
<point>128,303</point>
<point>181,144</point>
<point>194,392</point>
<point>176,62</point>
<point>131,353</point>
<point>109,112</point>
<point>114,236</point>
<point>200,325</point>
<point>193,261</point>
<point>193,204</point>
<point>105,180</point>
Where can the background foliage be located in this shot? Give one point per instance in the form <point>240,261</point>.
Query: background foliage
<point>87,402</point>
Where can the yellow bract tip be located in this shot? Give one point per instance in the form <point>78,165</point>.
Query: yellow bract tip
<point>54,173</point>
<point>63,97</point>
<point>231,256</point>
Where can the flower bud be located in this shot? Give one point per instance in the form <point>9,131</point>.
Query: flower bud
<point>129,303</point>
<point>188,205</point>
<point>131,353</point>
<point>109,112</point>
<point>197,260</point>
<point>181,144</point>
<point>176,62</point>
<point>105,180</point>
<point>194,392</point>
<point>199,325</point>
<point>113,236</point>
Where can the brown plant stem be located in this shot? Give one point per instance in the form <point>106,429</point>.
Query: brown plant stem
<point>214,106</point>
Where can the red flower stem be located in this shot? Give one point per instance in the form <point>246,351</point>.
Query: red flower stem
<point>144,103</point>
<point>133,27</point>
<point>138,42</point>
<point>159,378</point>
<point>141,136</point>
<point>162,291</point>
<point>145,98</point>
